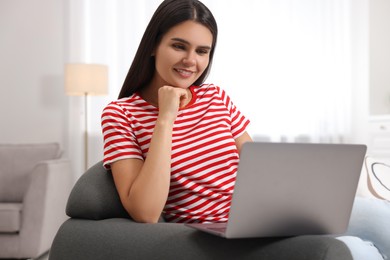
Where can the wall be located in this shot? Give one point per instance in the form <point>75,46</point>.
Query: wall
<point>360,71</point>
<point>32,101</point>
<point>379,57</point>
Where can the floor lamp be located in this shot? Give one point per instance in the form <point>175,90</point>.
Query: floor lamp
<point>86,80</point>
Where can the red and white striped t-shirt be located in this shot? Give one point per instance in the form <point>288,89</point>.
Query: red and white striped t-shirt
<point>204,155</point>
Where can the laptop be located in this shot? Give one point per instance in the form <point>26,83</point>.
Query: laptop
<point>291,189</point>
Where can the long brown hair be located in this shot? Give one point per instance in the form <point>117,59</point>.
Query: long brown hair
<point>167,15</point>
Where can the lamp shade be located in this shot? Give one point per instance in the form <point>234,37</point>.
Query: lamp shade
<point>86,79</point>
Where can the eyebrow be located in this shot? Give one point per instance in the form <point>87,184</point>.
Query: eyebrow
<point>187,42</point>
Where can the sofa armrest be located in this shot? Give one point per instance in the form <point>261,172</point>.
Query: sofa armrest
<point>44,205</point>
<point>94,196</point>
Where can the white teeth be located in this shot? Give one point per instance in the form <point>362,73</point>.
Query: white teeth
<point>184,72</point>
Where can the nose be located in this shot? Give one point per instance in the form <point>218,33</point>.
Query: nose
<point>190,59</point>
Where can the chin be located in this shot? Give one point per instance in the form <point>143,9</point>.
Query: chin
<point>182,85</point>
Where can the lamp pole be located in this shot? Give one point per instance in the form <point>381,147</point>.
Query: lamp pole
<point>86,131</point>
<point>83,79</point>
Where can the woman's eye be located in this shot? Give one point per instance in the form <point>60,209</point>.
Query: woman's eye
<point>202,51</point>
<point>178,46</point>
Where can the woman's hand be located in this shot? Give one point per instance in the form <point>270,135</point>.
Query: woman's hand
<point>170,100</point>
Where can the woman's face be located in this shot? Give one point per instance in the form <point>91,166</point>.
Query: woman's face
<point>182,55</point>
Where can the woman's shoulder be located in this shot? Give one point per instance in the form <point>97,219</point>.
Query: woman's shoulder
<point>209,88</point>
<point>124,102</point>
<point>122,105</point>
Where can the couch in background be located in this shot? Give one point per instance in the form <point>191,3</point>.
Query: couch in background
<point>34,186</point>
<point>100,228</point>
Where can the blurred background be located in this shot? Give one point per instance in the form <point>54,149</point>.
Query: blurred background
<point>301,70</point>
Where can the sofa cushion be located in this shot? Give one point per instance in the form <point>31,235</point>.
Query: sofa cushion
<point>17,161</point>
<point>94,196</point>
<point>10,217</point>
<point>126,239</point>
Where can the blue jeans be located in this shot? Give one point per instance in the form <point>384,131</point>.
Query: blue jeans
<point>360,249</point>
<point>370,221</point>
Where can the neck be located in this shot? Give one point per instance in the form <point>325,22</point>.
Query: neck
<point>149,96</point>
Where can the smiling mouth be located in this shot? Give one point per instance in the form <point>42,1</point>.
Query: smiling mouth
<point>184,73</point>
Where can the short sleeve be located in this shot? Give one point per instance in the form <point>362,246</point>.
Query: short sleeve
<point>239,122</point>
<point>118,136</point>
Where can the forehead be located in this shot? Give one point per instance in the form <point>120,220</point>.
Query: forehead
<point>193,32</point>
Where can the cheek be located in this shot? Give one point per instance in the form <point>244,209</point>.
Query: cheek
<point>204,63</point>
<point>164,60</point>
<point>162,64</point>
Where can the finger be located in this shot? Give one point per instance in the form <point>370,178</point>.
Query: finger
<point>183,99</point>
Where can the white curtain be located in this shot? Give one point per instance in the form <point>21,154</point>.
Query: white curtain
<point>285,63</point>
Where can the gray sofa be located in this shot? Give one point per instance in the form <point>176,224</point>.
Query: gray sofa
<point>34,187</point>
<point>100,228</point>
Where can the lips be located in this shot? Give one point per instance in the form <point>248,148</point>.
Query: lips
<point>184,73</point>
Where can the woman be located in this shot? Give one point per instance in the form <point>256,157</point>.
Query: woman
<point>171,141</point>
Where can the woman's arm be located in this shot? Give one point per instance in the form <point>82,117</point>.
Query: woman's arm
<point>245,137</point>
<point>143,186</point>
